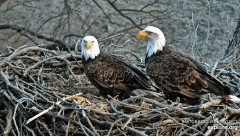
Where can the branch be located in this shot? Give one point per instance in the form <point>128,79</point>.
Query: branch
<point>9,117</point>
<point>123,15</point>
<point>27,31</point>
<point>49,109</point>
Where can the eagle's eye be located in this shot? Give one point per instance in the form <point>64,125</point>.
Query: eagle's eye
<point>92,41</point>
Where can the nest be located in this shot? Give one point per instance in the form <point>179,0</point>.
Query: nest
<point>45,92</point>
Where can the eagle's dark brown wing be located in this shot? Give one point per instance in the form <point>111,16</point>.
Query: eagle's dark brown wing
<point>214,85</point>
<point>174,72</point>
<point>110,74</point>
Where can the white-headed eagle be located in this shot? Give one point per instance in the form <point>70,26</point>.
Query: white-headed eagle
<point>110,74</point>
<point>177,74</point>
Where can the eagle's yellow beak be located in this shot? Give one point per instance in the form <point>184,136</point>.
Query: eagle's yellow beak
<point>89,44</point>
<point>142,34</point>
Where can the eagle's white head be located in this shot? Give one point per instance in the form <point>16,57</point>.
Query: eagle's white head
<point>89,47</point>
<point>155,39</point>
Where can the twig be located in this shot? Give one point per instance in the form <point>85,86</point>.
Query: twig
<point>25,73</point>
<point>44,125</point>
<point>110,123</point>
<point>214,67</point>
<point>128,122</point>
<point>122,14</point>
<point>9,117</point>
<point>81,125</point>
<point>49,109</point>
<point>113,124</point>
<point>233,111</point>
<point>25,30</point>
<point>89,123</point>
<point>209,104</point>
<point>33,133</point>
<point>22,51</point>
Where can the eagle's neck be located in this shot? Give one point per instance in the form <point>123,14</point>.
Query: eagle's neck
<point>154,45</point>
<point>90,53</point>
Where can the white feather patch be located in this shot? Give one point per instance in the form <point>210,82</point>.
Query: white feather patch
<point>93,51</point>
<point>234,98</point>
<point>156,40</point>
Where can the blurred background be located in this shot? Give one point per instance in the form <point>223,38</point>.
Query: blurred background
<point>199,28</point>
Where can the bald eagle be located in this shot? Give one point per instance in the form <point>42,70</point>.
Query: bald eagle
<point>111,75</point>
<point>177,74</point>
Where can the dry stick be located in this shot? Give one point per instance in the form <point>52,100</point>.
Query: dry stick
<point>27,57</point>
<point>181,123</point>
<point>205,126</point>
<point>118,125</point>
<point>44,98</point>
<point>42,113</point>
<point>43,124</point>
<point>69,122</point>
<point>210,104</point>
<point>219,133</point>
<point>233,111</point>
<point>4,77</point>
<point>214,68</point>
<point>9,96</point>
<point>207,123</point>
<point>30,130</point>
<point>20,90</point>
<point>74,122</point>
<point>113,124</point>
<point>9,85</point>
<point>38,129</point>
<point>125,101</point>
<point>121,131</point>
<point>20,101</point>
<point>125,125</point>
<point>89,123</point>
<point>209,131</point>
<point>194,126</point>
<point>199,132</point>
<point>9,117</point>
<point>141,133</point>
<point>87,119</point>
<point>81,125</point>
<point>25,73</point>
<point>36,90</point>
<point>49,109</point>
<point>13,68</point>
<point>24,50</point>
<point>102,113</point>
<point>115,110</point>
<point>195,115</point>
<point>128,106</point>
<point>86,129</point>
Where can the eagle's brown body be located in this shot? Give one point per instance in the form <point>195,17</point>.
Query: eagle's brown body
<point>114,76</point>
<point>181,76</point>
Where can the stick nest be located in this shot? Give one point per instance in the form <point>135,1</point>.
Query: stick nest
<point>45,92</point>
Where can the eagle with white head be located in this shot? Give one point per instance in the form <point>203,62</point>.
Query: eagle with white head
<point>177,74</point>
<point>111,75</point>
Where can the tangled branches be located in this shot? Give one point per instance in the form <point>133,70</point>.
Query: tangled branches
<point>45,92</point>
